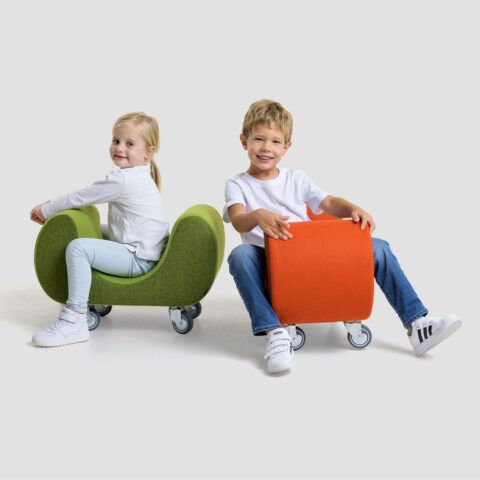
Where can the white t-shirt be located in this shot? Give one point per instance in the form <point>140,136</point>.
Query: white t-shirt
<point>288,194</point>
<point>136,215</point>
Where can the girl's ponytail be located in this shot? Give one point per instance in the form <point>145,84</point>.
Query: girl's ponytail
<point>155,173</point>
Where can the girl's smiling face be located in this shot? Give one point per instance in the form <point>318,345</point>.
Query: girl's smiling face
<point>128,147</point>
<point>265,147</point>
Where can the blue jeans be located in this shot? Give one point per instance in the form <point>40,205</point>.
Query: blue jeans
<point>83,254</point>
<point>247,266</point>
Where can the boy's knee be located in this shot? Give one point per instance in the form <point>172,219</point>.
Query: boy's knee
<point>242,256</point>
<point>380,248</point>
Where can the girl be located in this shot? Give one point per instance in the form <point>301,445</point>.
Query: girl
<point>137,225</point>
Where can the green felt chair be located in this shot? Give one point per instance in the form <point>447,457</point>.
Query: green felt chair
<point>183,276</point>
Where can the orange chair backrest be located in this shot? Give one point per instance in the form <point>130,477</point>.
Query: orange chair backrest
<point>323,274</point>
<point>322,216</point>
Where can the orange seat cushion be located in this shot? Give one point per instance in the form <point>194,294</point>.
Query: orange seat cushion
<point>323,274</point>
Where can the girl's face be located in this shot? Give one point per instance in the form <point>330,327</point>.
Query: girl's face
<point>128,148</point>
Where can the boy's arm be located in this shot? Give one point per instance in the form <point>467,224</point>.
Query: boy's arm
<point>341,208</point>
<point>273,224</point>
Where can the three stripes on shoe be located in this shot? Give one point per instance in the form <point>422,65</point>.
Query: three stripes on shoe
<point>427,332</point>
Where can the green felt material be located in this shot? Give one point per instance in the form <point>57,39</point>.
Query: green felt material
<point>183,276</point>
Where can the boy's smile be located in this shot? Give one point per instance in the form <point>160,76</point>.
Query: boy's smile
<point>265,147</point>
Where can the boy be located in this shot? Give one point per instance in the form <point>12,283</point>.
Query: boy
<point>263,199</point>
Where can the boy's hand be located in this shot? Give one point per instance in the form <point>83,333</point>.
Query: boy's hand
<point>360,215</point>
<point>36,214</point>
<point>273,224</point>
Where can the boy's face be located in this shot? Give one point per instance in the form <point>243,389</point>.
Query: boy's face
<point>265,147</point>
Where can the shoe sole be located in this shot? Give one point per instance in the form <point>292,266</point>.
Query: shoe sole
<point>452,328</point>
<point>56,344</point>
<point>281,368</point>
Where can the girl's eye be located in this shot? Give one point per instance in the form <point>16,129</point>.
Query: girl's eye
<point>129,144</point>
<point>115,141</point>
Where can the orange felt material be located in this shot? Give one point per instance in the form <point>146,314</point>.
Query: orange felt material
<point>323,274</point>
<point>321,216</point>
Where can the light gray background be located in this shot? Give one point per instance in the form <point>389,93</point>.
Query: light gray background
<point>385,101</point>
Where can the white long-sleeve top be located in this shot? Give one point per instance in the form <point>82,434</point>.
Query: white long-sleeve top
<point>136,215</point>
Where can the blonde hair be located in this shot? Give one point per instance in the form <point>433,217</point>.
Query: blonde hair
<point>268,112</point>
<point>148,128</point>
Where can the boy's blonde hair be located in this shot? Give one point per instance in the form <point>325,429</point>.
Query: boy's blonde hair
<point>148,128</point>
<point>268,112</point>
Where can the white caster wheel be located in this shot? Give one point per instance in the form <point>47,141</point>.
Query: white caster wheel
<point>103,310</point>
<point>182,321</point>
<point>298,341</point>
<point>360,341</point>
<point>93,319</point>
<point>195,310</point>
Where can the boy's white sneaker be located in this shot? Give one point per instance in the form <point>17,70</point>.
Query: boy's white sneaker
<point>70,327</point>
<point>279,352</point>
<point>427,332</point>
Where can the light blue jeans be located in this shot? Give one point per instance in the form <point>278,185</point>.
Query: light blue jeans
<point>247,266</point>
<point>83,254</point>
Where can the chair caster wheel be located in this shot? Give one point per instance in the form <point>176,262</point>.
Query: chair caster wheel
<point>103,310</point>
<point>182,320</point>
<point>362,340</point>
<point>194,310</point>
<point>93,319</point>
<point>298,341</point>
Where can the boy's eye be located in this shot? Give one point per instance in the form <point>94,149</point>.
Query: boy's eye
<point>129,144</point>
<point>277,141</point>
<point>115,141</point>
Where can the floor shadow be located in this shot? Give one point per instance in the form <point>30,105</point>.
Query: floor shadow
<point>222,329</point>
<point>392,347</point>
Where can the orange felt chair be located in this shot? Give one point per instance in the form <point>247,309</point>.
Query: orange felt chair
<point>323,274</point>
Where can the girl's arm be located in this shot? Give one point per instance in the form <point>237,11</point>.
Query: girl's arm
<point>106,190</point>
<point>36,214</point>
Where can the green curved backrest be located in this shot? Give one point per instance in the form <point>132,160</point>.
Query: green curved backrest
<point>183,276</point>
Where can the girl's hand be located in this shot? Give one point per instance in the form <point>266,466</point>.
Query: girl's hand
<point>36,214</point>
<point>273,224</point>
<point>358,214</point>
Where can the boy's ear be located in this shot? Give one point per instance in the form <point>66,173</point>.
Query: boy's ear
<point>287,146</point>
<point>244,141</point>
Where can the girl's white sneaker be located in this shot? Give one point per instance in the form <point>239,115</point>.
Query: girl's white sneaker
<point>279,352</point>
<point>427,332</point>
<point>71,327</point>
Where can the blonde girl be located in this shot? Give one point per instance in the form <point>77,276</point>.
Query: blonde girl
<point>137,225</point>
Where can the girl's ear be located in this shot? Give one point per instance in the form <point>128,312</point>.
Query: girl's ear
<point>150,152</point>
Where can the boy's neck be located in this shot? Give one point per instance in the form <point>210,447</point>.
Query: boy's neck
<point>264,175</point>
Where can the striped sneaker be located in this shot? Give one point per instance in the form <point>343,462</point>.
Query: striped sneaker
<point>427,332</point>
